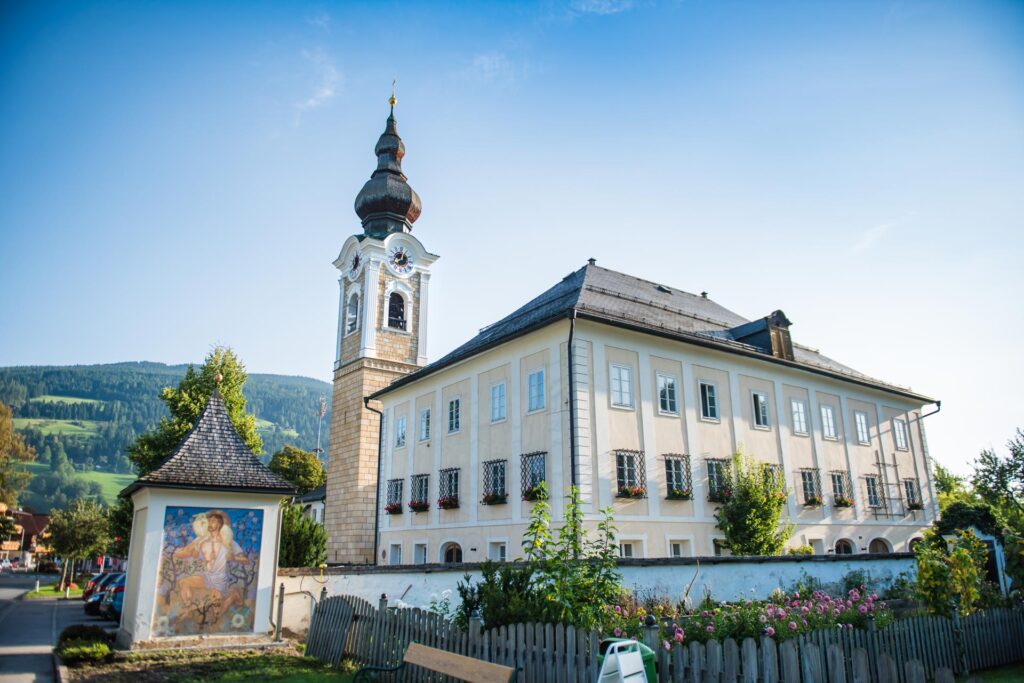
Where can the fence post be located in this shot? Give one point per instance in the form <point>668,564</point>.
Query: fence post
<point>651,633</point>
<point>872,648</point>
<point>280,613</point>
<point>476,627</point>
<point>959,641</point>
<point>383,605</point>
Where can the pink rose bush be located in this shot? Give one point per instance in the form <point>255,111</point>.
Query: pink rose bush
<point>785,618</point>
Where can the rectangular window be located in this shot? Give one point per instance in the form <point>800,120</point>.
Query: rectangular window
<point>454,415</point>
<point>630,474</point>
<point>622,386</point>
<point>448,488</point>
<point>497,552</point>
<point>760,406</point>
<point>667,402</point>
<point>498,402</point>
<point>810,485</point>
<point>913,494</point>
<point>625,549</point>
<point>718,479</point>
<point>708,401</point>
<point>419,552</point>
<point>863,433</point>
<point>838,483</point>
<point>679,548</point>
<point>425,424</point>
<point>494,482</point>
<point>899,432</point>
<point>532,473</point>
<point>395,554</point>
<point>873,491</point>
<point>395,495</point>
<point>419,492</point>
<point>535,385</point>
<point>678,477</point>
<point>828,423</point>
<point>400,431</point>
<point>799,409</point>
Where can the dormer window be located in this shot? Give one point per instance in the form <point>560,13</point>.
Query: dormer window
<point>352,314</point>
<point>396,311</point>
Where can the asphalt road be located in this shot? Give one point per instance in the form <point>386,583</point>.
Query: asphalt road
<point>29,629</point>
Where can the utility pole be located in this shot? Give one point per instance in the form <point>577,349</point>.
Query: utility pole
<point>320,425</point>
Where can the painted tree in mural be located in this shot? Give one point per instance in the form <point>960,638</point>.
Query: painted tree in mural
<point>185,403</point>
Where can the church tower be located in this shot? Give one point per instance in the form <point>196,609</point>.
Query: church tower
<point>382,325</point>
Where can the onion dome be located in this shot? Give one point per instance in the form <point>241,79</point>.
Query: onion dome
<point>386,203</point>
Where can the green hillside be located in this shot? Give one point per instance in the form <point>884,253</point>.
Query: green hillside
<point>89,414</point>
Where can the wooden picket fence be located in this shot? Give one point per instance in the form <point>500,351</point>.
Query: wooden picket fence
<point>908,651</point>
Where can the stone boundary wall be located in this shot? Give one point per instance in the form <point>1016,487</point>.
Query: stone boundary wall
<point>727,578</point>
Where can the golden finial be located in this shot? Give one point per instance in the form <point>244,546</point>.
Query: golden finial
<point>393,100</point>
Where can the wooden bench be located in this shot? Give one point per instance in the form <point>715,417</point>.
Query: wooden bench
<point>466,668</point>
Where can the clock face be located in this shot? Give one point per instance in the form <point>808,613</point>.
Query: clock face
<point>354,265</point>
<point>400,260</point>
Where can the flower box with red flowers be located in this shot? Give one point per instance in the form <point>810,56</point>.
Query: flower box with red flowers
<point>812,501</point>
<point>419,505</point>
<point>533,493</point>
<point>916,505</point>
<point>393,508</point>
<point>719,496</point>
<point>679,494</point>
<point>632,492</point>
<point>843,502</point>
<point>448,502</point>
<point>495,499</point>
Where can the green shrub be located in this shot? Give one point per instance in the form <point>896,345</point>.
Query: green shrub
<point>75,651</point>
<point>903,587</point>
<point>83,632</point>
<point>800,550</point>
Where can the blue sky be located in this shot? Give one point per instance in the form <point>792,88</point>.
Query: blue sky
<point>175,176</point>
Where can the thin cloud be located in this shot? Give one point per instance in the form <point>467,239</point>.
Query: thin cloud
<point>869,237</point>
<point>493,66</point>
<point>321,21</point>
<point>601,6</point>
<point>326,82</point>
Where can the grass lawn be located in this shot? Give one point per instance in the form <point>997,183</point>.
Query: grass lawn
<point>266,426</point>
<point>279,666</point>
<point>1004,674</point>
<point>47,593</point>
<point>112,483</point>
<point>66,427</point>
<point>62,399</point>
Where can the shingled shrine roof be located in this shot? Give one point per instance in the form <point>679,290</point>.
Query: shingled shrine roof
<point>213,456</point>
<point>622,300</point>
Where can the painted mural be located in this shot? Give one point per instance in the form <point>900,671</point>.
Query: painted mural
<point>209,564</point>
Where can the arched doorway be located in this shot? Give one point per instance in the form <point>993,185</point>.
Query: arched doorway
<point>451,553</point>
<point>879,546</point>
<point>844,547</point>
<point>914,542</point>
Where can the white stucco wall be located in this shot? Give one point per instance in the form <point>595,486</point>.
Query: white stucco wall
<point>728,579</point>
<point>146,542</point>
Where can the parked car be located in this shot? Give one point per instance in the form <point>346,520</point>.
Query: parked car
<point>93,584</point>
<point>113,599</point>
<point>93,602</point>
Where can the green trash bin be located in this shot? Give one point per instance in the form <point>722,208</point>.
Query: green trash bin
<point>646,653</point>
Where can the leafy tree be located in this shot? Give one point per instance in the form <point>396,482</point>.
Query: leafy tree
<point>185,405</point>
<point>1000,480</point>
<point>751,514</point>
<point>79,532</point>
<point>7,528</point>
<point>960,516</point>
<point>301,468</point>
<point>303,541</point>
<point>951,488</point>
<point>13,454</point>
<point>950,575</point>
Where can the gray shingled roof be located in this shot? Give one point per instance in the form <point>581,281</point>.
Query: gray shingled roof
<point>213,456</point>
<point>623,300</point>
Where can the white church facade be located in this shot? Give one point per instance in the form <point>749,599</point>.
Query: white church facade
<point>635,392</point>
